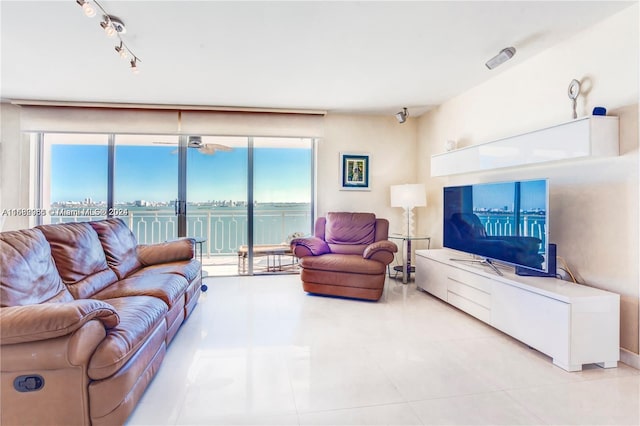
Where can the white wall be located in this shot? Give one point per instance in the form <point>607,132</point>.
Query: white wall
<point>14,168</point>
<point>391,146</point>
<point>593,203</point>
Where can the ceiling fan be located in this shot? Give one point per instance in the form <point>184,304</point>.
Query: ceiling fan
<point>204,148</point>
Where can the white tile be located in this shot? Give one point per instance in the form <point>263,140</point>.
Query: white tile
<point>495,408</point>
<point>509,364</point>
<point>258,350</point>
<point>430,371</point>
<point>611,401</point>
<point>242,382</point>
<point>324,379</point>
<point>212,418</point>
<point>392,414</point>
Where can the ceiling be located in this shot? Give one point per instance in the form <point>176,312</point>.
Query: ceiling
<point>368,57</point>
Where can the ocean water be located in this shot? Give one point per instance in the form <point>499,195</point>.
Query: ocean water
<point>223,228</point>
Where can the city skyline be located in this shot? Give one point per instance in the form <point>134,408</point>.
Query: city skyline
<point>497,196</point>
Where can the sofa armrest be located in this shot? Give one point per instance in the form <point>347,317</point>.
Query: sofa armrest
<point>170,251</point>
<point>43,321</point>
<point>310,246</point>
<point>382,251</point>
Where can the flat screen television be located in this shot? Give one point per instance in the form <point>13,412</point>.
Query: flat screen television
<point>506,222</point>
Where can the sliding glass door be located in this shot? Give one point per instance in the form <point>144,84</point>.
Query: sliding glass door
<point>243,198</point>
<point>282,200</point>
<point>74,183</point>
<point>145,185</point>
<point>216,200</point>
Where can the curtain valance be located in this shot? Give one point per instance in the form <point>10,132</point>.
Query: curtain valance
<point>73,119</point>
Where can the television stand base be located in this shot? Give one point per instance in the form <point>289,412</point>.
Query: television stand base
<point>481,261</point>
<point>551,266</point>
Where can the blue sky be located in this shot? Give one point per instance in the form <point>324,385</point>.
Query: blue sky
<point>151,173</point>
<point>533,195</point>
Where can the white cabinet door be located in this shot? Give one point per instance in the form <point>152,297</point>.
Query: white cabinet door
<point>431,276</point>
<point>540,322</point>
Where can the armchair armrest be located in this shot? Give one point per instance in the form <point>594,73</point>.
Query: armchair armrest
<point>170,251</point>
<point>31,323</point>
<point>310,246</point>
<point>382,251</point>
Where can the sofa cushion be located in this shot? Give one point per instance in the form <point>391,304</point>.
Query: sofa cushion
<point>189,269</point>
<point>350,228</point>
<point>79,257</point>
<point>28,274</point>
<point>167,287</point>
<point>170,251</point>
<point>139,317</point>
<point>355,264</point>
<point>348,248</point>
<point>119,245</point>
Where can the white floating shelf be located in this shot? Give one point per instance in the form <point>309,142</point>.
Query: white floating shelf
<point>592,136</point>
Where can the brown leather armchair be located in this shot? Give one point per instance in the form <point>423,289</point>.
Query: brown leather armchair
<point>347,256</point>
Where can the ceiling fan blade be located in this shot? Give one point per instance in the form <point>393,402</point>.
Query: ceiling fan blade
<point>212,148</point>
<point>219,147</point>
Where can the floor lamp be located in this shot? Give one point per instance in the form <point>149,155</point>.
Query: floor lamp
<point>408,196</point>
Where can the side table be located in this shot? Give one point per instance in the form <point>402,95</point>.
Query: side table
<point>406,268</point>
<point>199,241</point>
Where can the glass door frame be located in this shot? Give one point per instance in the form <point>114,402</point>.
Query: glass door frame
<point>181,201</point>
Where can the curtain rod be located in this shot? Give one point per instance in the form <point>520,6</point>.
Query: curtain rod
<point>28,102</point>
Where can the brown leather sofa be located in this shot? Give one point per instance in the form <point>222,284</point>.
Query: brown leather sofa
<point>85,319</point>
<point>347,256</point>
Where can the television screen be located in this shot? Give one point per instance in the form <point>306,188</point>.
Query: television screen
<point>505,221</point>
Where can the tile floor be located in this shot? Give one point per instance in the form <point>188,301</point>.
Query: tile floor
<point>258,350</point>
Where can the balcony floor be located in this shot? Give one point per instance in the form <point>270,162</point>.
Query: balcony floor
<point>231,265</point>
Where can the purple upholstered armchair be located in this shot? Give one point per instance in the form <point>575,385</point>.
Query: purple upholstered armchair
<point>347,256</point>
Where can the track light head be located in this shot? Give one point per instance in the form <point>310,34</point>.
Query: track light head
<point>502,57</point>
<point>401,116</point>
<point>122,51</point>
<point>87,8</point>
<point>134,66</point>
<point>108,29</point>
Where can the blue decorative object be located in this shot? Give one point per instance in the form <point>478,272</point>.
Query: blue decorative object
<point>599,111</point>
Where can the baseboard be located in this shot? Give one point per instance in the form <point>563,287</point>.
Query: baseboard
<point>630,358</point>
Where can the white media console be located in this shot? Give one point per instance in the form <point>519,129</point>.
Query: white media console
<point>573,324</point>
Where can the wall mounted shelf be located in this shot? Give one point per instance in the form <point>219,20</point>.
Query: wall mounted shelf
<point>587,137</point>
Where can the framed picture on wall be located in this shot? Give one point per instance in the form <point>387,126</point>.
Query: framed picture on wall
<point>354,171</point>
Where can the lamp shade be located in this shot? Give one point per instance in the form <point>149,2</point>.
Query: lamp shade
<point>409,195</point>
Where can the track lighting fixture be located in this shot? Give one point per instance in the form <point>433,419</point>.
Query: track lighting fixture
<point>502,57</point>
<point>113,27</point>
<point>402,115</point>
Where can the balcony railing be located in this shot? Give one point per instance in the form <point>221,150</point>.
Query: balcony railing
<point>529,226</point>
<point>224,232</point>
